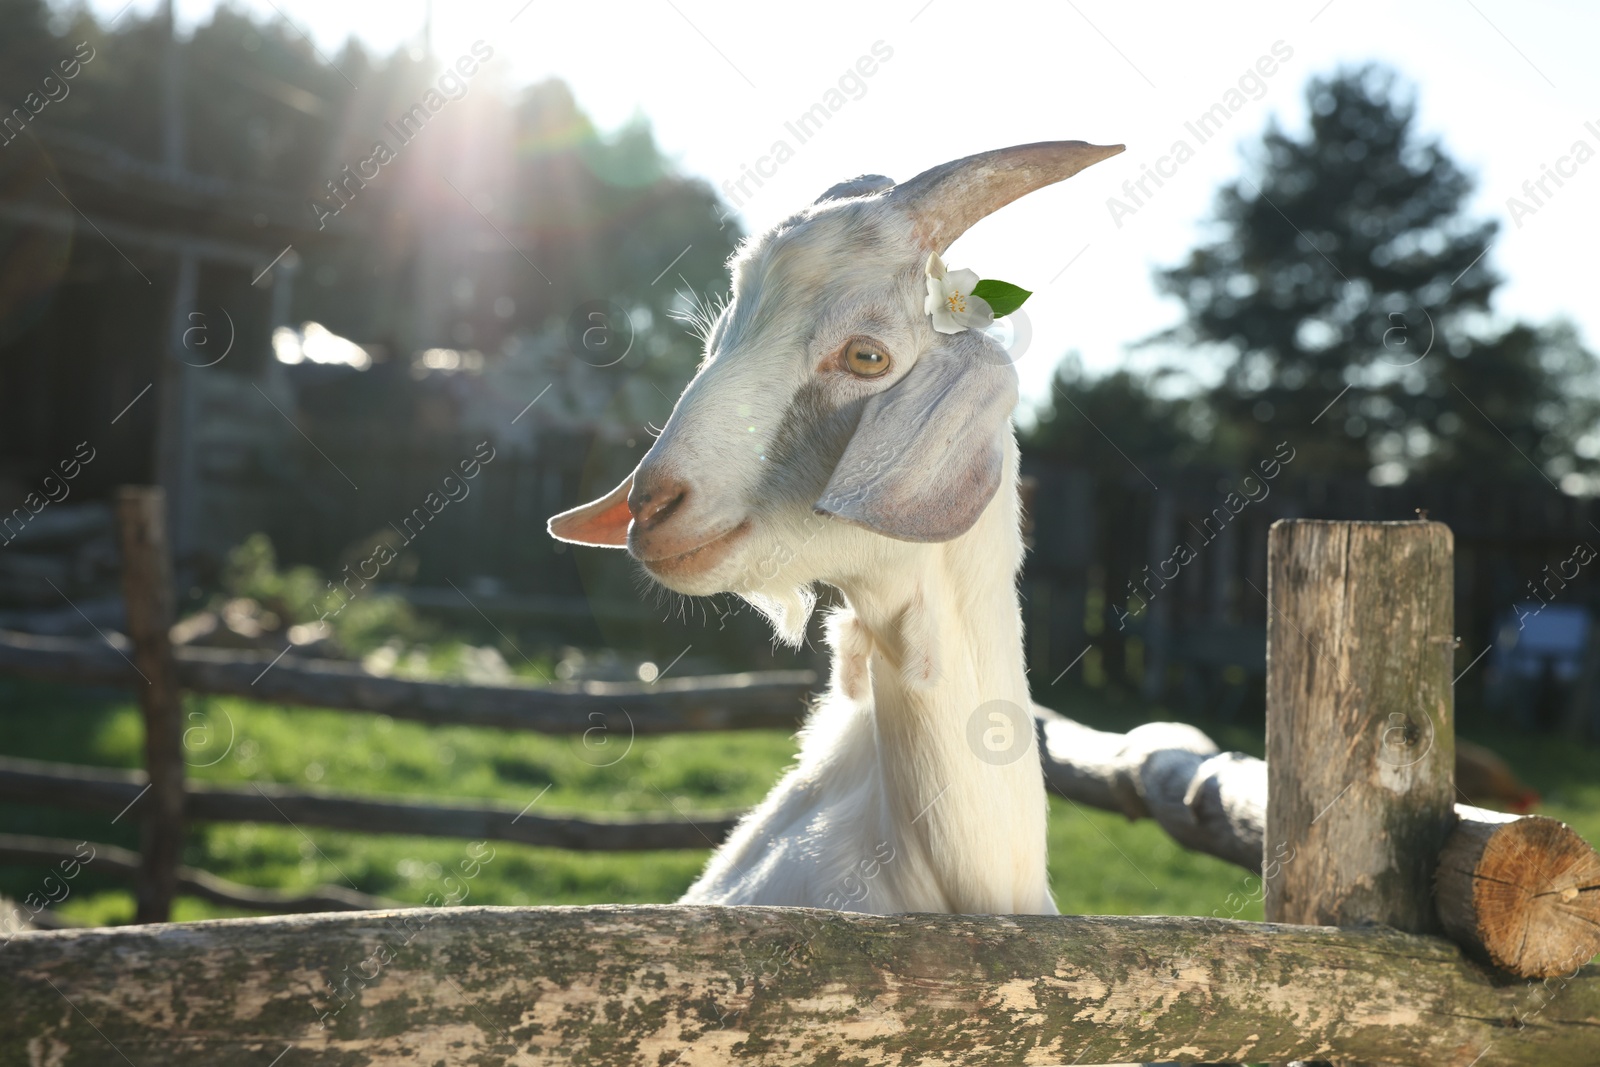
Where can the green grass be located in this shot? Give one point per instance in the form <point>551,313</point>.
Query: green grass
<point>1100,863</point>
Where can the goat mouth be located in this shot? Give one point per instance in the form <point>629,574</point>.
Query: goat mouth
<point>700,558</point>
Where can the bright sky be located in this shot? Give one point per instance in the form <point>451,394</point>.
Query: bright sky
<point>1508,85</point>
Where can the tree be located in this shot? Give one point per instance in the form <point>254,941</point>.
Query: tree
<point>1524,404</point>
<point>1120,421</point>
<point>28,51</point>
<point>1351,293</point>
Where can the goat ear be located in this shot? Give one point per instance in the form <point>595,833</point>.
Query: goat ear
<point>927,455</point>
<point>602,523</point>
<point>945,201</point>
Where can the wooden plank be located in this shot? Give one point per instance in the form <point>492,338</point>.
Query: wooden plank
<point>1156,632</point>
<point>72,660</point>
<point>110,791</point>
<point>75,856</point>
<point>777,986</point>
<point>1360,723</point>
<point>770,700</point>
<point>147,594</point>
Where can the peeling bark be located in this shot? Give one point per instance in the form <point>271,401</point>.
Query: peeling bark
<point>1360,720</point>
<point>660,985</point>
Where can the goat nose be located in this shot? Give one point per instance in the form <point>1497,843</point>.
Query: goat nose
<point>655,496</point>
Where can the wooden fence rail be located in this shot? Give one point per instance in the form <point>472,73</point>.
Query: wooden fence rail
<point>749,701</point>
<point>704,985</point>
<point>111,791</point>
<point>126,863</point>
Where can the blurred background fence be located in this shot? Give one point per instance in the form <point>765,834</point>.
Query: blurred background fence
<point>1102,576</point>
<point>1107,588</point>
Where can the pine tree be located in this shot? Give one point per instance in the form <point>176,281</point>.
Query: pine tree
<point>1351,293</point>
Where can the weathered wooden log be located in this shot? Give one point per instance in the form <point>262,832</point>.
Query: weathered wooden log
<point>776,986</point>
<point>1208,801</point>
<point>147,592</point>
<point>610,710</point>
<point>124,863</point>
<point>71,660</point>
<point>1523,893</point>
<point>1360,723</point>
<point>104,790</point>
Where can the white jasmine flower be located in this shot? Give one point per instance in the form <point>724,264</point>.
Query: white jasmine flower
<point>950,300</point>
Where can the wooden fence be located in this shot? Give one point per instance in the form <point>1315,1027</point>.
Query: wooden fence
<point>1106,571</point>
<point>1351,822</point>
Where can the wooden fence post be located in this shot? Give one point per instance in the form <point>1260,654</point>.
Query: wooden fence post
<point>1360,721</point>
<point>147,591</point>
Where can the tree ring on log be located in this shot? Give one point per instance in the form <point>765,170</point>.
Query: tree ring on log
<point>1535,891</point>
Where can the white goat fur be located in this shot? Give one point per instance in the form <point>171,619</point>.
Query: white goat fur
<point>801,470</point>
<point>885,768</point>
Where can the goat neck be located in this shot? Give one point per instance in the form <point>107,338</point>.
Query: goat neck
<point>943,644</point>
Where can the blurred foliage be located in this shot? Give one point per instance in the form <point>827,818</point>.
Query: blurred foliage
<point>380,628</point>
<point>493,231</point>
<point>1348,260</point>
<point>582,214</point>
<point>1145,420</point>
<point>361,619</point>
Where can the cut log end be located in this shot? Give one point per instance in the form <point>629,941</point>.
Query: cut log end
<point>1523,893</point>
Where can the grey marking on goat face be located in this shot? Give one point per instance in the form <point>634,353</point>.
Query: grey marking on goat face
<point>811,436</point>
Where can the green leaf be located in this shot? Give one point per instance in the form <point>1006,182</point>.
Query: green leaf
<point>1003,297</point>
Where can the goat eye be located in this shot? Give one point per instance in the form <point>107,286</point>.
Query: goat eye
<point>865,359</point>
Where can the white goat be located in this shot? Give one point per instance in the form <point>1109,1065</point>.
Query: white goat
<point>831,435</point>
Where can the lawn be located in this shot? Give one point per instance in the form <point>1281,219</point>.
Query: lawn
<point>1100,863</point>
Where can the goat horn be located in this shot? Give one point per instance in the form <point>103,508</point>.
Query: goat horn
<point>944,201</point>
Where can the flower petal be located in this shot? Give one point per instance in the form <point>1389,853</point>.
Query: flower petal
<point>979,315</point>
<point>964,280</point>
<point>935,266</point>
